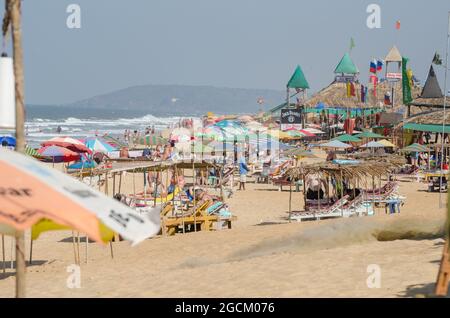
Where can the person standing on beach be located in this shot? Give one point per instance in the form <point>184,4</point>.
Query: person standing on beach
<point>243,170</point>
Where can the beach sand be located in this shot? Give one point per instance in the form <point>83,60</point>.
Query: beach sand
<point>263,255</point>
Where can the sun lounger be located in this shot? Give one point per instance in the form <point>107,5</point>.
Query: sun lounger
<point>317,213</point>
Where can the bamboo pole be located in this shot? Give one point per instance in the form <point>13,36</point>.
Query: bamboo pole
<point>195,199</point>
<point>31,251</point>
<point>13,7</point>
<point>290,201</point>
<point>74,248</point>
<point>3,254</point>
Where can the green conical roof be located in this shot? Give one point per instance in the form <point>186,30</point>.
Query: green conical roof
<point>298,79</point>
<point>346,66</point>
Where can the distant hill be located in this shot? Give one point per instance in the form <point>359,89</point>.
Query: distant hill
<point>163,100</point>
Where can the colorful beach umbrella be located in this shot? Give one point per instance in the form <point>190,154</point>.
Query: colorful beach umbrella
<point>369,134</point>
<point>347,138</point>
<point>96,144</point>
<point>415,147</point>
<point>387,143</point>
<point>153,140</point>
<point>114,142</point>
<point>58,154</point>
<point>335,144</point>
<point>8,140</point>
<point>67,142</point>
<point>37,195</point>
<point>32,152</point>
<point>373,144</point>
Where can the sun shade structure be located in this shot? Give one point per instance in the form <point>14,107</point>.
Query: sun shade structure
<point>368,134</point>
<point>152,140</point>
<point>415,147</point>
<point>373,144</point>
<point>362,169</point>
<point>10,141</point>
<point>430,122</point>
<point>67,142</point>
<point>96,144</point>
<point>335,144</point>
<point>386,143</point>
<point>347,138</point>
<point>346,66</point>
<point>34,195</point>
<point>393,55</point>
<point>298,79</point>
<point>431,95</point>
<point>58,154</point>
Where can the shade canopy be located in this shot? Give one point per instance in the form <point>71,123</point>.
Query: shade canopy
<point>368,134</point>
<point>8,141</point>
<point>373,144</point>
<point>346,66</point>
<point>298,79</point>
<point>415,148</point>
<point>347,138</point>
<point>67,142</point>
<point>387,143</point>
<point>96,144</point>
<point>58,154</point>
<point>152,140</point>
<point>38,196</point>
<point>335,144</point>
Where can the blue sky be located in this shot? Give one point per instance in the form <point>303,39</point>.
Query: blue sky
<point>227,43</point>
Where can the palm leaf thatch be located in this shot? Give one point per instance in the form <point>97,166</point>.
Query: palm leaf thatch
<point>430,118</point>
<point>368,168</point>
<point>335,95</point>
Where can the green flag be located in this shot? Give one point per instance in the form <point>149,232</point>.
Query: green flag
<point>352,44</point>
<point>437,59</point>
<point>406,83</point>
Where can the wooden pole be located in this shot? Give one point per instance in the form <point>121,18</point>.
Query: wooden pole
<point>31,251</point>
<point>74,248</point>
<point>3,254</point>
<point>195,199</point>
<point>13,6</point>
<point>290,201</point>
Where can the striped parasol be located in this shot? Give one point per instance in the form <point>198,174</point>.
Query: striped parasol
<point>152,140</point>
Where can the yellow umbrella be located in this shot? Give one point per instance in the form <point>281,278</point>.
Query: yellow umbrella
<point>387,143</point>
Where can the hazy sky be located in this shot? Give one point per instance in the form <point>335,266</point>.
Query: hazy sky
<point>229,43</point>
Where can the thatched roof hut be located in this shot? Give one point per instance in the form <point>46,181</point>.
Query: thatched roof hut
<point>335,95</point>
<point>393,56</point>
<point>431,95</point>
<point>368,168</point>
<point>430,122</point>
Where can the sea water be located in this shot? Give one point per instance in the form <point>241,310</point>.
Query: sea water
<point>42,124</point>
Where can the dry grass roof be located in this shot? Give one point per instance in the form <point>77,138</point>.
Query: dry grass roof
<point>430,118</point>
<point>335,95</point>
<point>373,167</point>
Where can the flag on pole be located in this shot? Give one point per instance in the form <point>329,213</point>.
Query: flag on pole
<point>373,66</point>
<point>397,25</point>
<point>437,59</point>
<point>352,89</point>
<point>374,80</point>
<point>352,44</point>
<point>406,82</point>
<point>387,98</point>
<point>379,65</point>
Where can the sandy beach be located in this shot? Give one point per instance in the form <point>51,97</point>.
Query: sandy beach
<point>263,255</point>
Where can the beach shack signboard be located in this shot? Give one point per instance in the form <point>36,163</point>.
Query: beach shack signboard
<point>291,119</point>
